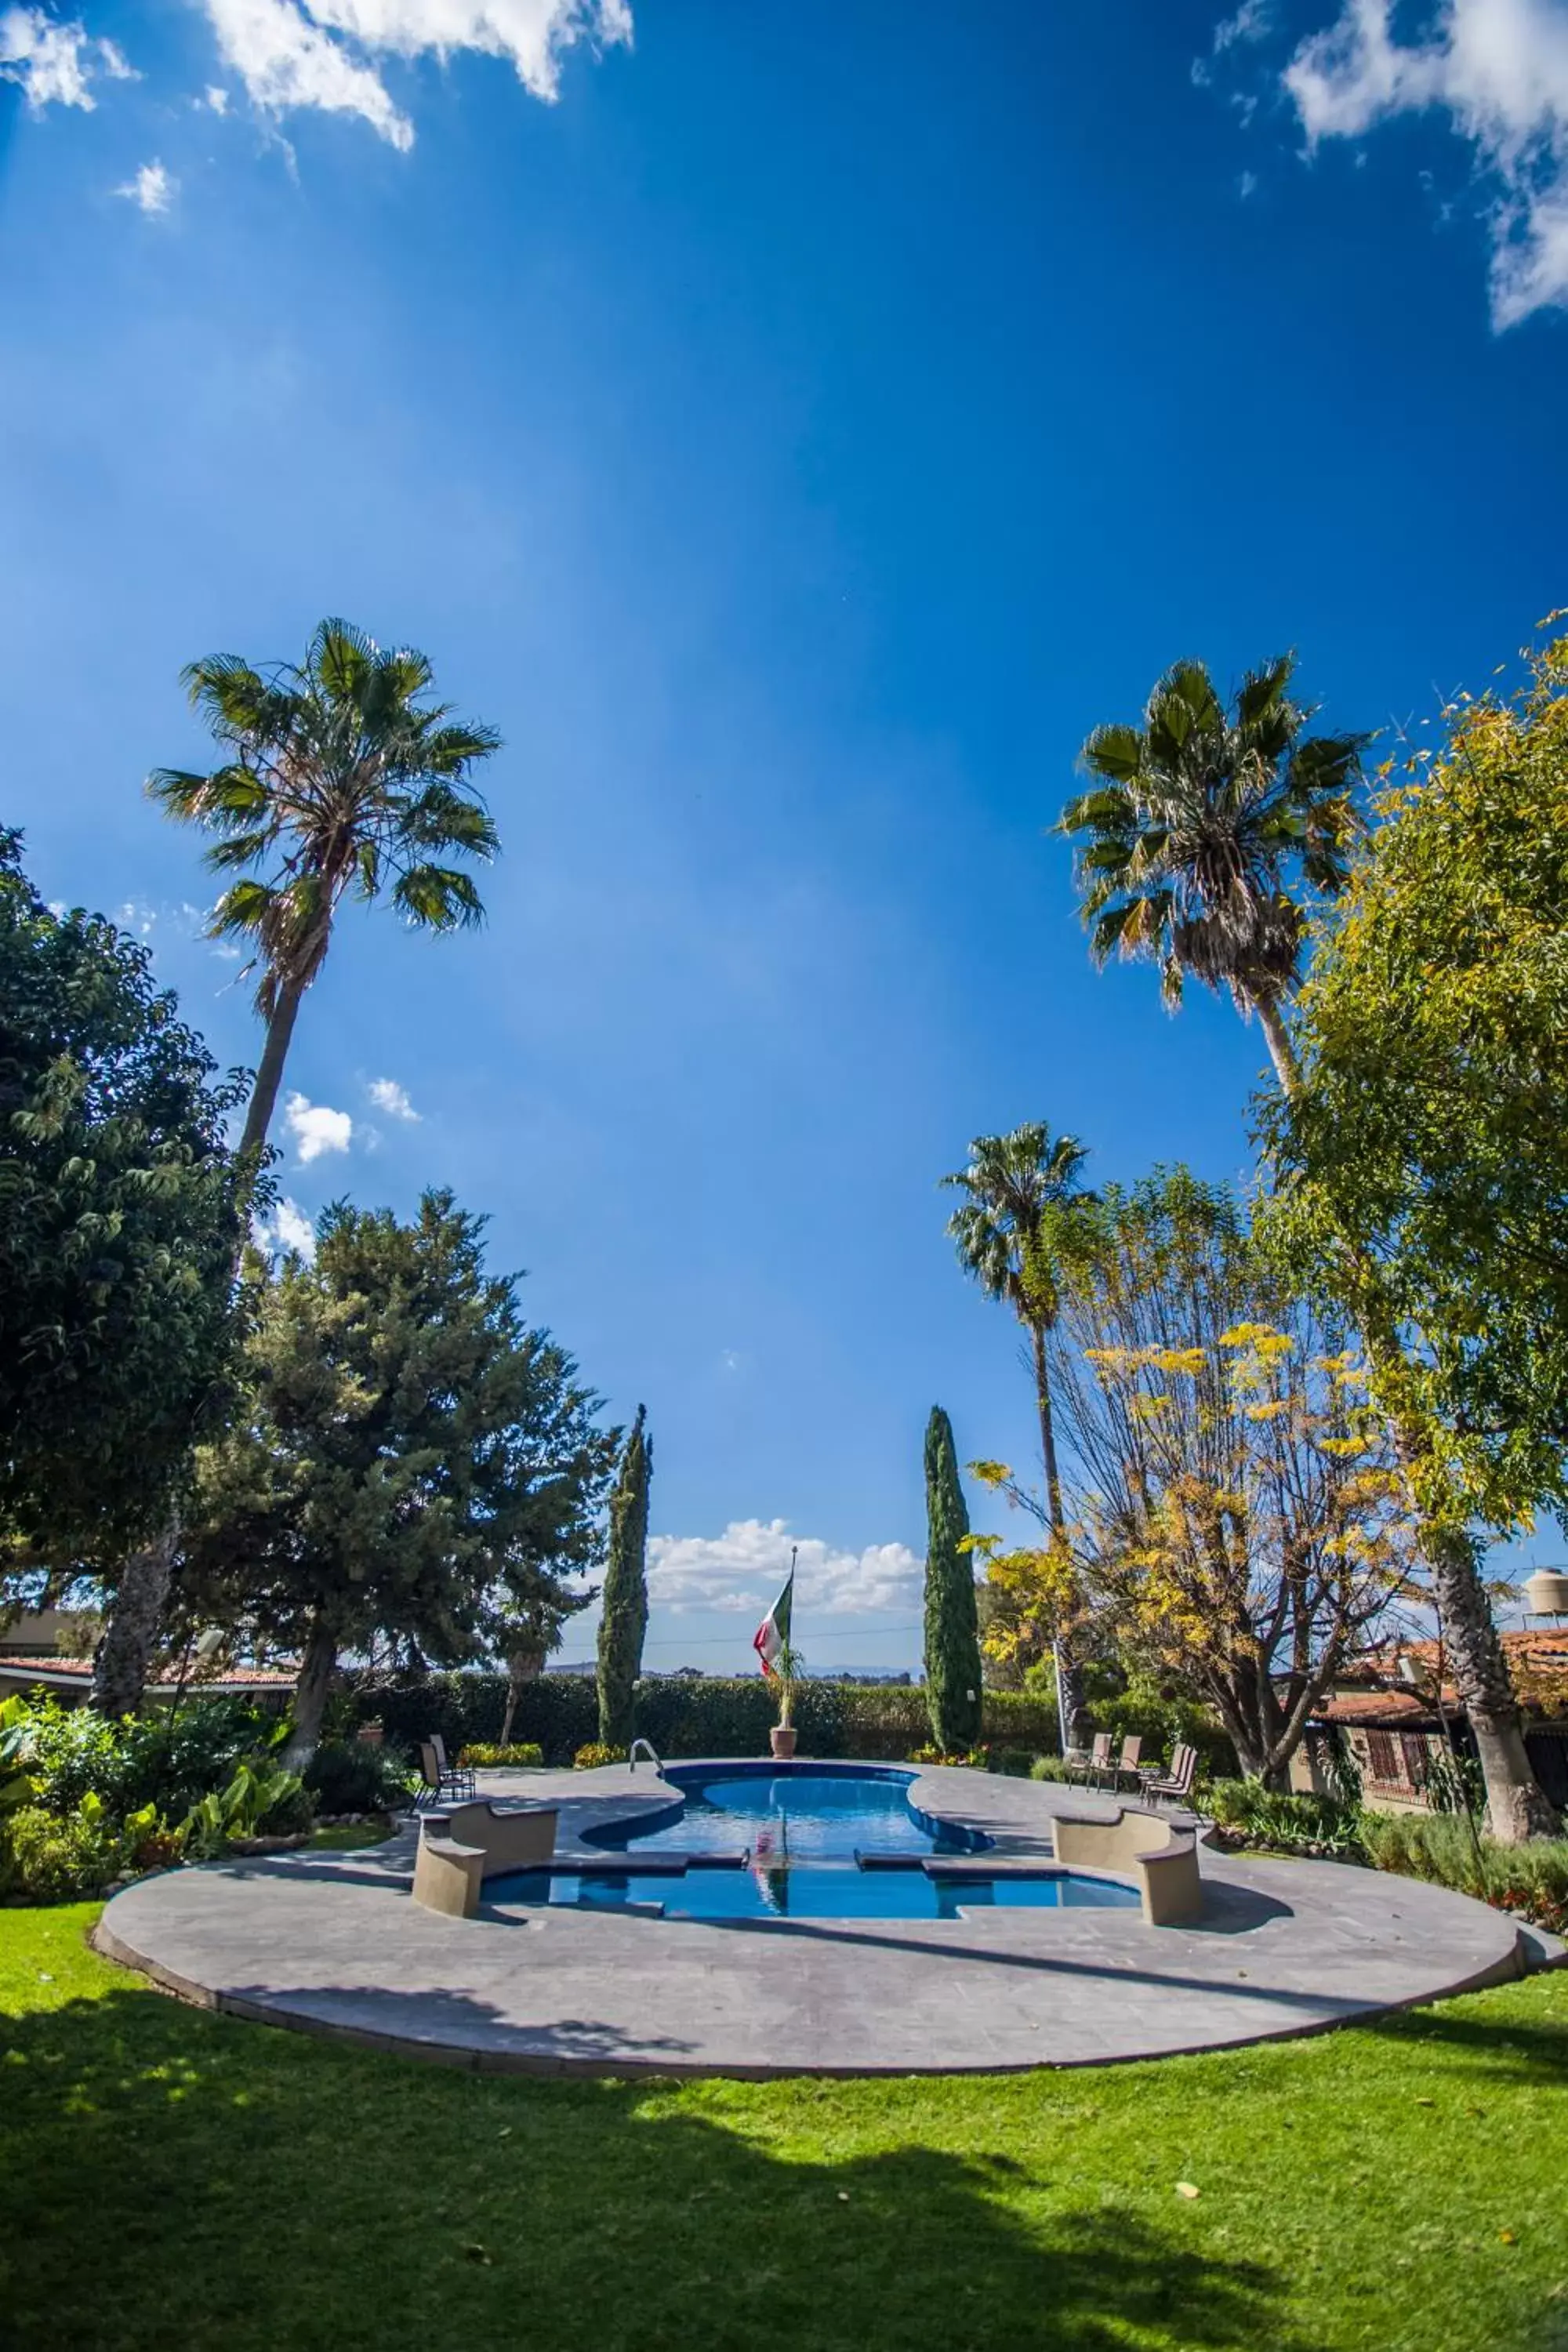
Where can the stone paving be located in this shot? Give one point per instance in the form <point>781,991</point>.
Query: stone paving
<point>334,1943</point>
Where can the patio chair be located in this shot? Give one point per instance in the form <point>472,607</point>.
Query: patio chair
<point>1126,1765</point>
<point>459,1777</point>
<point>1176,1785</point>
<point>1088,1769</point>
<point>441,1780</point>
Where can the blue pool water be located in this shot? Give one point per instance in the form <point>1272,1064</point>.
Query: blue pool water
<point>825,1890</point>
<point>787,1845</point>
<point>796,1816</point>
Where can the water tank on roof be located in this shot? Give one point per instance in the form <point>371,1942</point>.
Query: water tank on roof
<point>1546,1593</point>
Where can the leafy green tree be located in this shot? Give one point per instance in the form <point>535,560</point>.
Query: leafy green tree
<point>1200,828</point>
<point>951,1616</point>
<point>1198,835</point>
<point>410,1447</point>
<point>338,781</point>
<point>1011,1234</point>
<point>118,1226</point>
<point>1422,1164</point>
<point>530,1617</point>
<point>623,1621</point>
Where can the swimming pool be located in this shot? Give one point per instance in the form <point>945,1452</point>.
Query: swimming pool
<point>825,1890</point>
<point>810,1812</point>
<point>811,1842</point>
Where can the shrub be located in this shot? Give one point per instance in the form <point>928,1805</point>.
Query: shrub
<point>704,1715</point>
<point>928,1755</point>
<point>1251,1815</point>
<point>346,1776</point>
<point>62,1861</point>
<point>1049,1768</point>
<point>485,1754</point>
<point>1164,1723</point>
<point>254,1805</point>
<point>1529,1881</point>
<point>593,1752</point>
<point>73,1753</point>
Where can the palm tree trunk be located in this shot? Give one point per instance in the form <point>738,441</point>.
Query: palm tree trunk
<point>130,1635</point>
<point>311,1693</point>
<point>270,1075</point>
<point>1069,1676</point>
<point>136,1613</point>
<point>1281,1052</point>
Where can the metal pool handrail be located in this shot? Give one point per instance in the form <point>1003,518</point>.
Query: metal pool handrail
<point>653,1755</point>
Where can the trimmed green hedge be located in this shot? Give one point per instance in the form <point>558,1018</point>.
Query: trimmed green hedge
<point>882,1721</point>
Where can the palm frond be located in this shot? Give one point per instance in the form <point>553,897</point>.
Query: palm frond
<point>341,658</point>
<point>1115,752</point>
<point>441,818</point>
<point>439,899</point>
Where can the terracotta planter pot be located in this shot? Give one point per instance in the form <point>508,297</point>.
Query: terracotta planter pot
<point>781,1739</point>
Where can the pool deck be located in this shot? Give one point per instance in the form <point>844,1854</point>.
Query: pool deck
<point>334,1944</point>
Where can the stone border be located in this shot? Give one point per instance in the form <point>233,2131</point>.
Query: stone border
<point>333,1944</point>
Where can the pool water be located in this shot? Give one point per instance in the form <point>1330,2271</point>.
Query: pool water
<point>797,1816</point>
<point>769,1844</point>
<point>824,1890</point>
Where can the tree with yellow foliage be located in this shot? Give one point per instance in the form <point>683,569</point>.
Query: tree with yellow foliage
<point>1238,1514</point>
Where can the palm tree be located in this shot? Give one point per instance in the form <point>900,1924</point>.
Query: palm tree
<point>340,783</point>
<point>338,780</point>
<point>1199,826</point>
<point>1008,1233</point>
<point>1199,822</point>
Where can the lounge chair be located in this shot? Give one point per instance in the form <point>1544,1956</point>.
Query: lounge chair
<point>1175,1786</point>
<point>1126,1765</point>
<point>1088,1769</point>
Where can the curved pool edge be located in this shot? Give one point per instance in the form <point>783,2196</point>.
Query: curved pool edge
<point>334,1946</point>
<point>695,1773</point>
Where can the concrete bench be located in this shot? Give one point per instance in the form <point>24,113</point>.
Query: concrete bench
<point>466,1844</point>
<point>1162,1861</point>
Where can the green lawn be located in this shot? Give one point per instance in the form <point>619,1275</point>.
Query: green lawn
<point>173,2180</point>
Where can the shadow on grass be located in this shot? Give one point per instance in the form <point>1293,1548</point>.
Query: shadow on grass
<point>1525,2052</point>
<point>169,2177</point>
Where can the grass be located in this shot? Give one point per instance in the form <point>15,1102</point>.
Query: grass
<point>347,1837</point>
<point>169,2177</point>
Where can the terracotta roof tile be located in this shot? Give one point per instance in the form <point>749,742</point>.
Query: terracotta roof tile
<point>80,1670</point>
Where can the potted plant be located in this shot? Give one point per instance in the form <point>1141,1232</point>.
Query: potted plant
<point>784,1672</point>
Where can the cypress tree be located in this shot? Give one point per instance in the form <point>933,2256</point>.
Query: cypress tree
<point>951,1617</point>
<point>624,1619</point>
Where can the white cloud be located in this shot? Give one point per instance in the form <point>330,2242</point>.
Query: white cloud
<point>55,64</point>
<point>287,1228</point>
<point>51,62</point>
<point>740,1572</point>
<point>1498,69</point>
<point>315,1128</point>
<point>215,98</point>
<point>153,189</point>
<point>389,1097</point>
<point>290,54</point>
<point>1247,185</point>
<point>1250,22</point>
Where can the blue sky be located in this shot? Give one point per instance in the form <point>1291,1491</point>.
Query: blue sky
<point>794,426</point>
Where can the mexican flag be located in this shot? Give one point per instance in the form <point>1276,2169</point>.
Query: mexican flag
<point>773,1634</point>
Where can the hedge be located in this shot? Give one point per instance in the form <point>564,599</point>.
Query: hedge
<point>885,1721</point>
